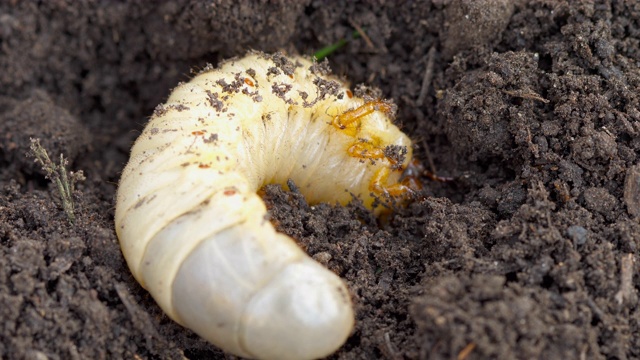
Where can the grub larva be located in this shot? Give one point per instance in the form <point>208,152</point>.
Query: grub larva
<point>194,231</point>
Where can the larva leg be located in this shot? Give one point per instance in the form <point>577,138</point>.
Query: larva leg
<point>366,150</point>
<point>380,185</point>
<point>350,120</point>
<point>348,117</point>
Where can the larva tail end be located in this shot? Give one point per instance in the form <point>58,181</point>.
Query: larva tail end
<point>304,313</point>
<point>254,293</point>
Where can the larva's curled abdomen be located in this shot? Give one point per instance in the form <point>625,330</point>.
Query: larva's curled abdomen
<point>194,231</point>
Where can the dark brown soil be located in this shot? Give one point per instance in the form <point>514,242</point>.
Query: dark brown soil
<point>531,253</point>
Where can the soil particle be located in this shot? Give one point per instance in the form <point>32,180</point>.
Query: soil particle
<point>632,190</point>
<point>38,117</point>
<point>530,253</point>
<point>470,23</point>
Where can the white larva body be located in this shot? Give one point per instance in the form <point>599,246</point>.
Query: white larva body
<point>194,231</point>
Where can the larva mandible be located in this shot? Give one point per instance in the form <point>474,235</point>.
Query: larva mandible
<point>194,231</point>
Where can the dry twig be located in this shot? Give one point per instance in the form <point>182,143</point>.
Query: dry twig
<point>57,173</point>
<point>428,75</point>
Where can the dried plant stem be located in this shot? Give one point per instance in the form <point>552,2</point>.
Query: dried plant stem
<point>58,174</point>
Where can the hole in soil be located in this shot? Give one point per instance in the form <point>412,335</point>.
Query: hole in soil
<point>547,282</point>
<point>51,286</point>
<point>511,276</point>
<point>545,62</point>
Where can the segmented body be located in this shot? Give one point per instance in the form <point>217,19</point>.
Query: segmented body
<point>194,231</point>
